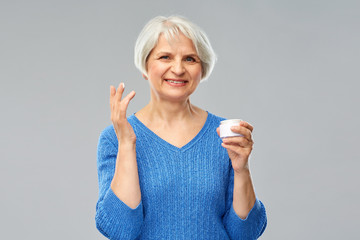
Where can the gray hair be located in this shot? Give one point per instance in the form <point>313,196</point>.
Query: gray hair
<point>171,26</point>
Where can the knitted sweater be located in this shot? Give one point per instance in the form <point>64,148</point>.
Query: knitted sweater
<point>186,193</point>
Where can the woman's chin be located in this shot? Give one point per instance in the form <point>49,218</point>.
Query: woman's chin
<point>175,97</point>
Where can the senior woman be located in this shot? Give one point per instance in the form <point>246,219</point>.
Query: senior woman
<point>164,172</point>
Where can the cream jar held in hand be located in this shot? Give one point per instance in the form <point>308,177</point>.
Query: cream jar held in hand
<point>225,128</point>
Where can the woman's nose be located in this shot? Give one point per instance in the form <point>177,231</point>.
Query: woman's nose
<point>177,67</point>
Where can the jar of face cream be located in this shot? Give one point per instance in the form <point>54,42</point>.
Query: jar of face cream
<point>225,126</point>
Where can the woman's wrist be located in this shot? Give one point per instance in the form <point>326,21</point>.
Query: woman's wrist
<point>126,145</point>
<point>243,172</point>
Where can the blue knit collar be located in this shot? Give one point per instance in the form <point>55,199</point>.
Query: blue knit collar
<point>168,145</point>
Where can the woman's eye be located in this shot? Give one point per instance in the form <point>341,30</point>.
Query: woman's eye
<point>164,57</point>
<point>190,59</point>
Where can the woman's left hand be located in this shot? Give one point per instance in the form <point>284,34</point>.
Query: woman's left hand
<point>239,148</point>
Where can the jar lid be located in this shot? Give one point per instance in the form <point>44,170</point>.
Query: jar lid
<point>229,121</point>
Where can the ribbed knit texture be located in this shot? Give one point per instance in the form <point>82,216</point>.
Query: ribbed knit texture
<point>186,192</point>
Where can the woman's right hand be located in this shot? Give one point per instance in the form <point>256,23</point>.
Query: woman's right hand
<point>125,183</point>
<point>118,106</point>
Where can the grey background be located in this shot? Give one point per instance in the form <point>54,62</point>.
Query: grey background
<point>287,67</point>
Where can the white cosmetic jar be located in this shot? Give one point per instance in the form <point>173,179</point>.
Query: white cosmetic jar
<point>225,126</point>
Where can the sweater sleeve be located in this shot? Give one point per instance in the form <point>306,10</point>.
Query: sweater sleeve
<point>245,229</point>
<point>114,219</point>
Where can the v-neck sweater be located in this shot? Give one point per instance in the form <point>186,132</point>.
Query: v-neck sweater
<point>186,193</point>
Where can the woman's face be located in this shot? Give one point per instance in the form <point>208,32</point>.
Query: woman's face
<point>174,68</point>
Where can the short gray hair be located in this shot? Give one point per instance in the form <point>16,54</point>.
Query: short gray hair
<point>171,26</point>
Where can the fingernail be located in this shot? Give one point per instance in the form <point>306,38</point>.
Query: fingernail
<point>123,85</point>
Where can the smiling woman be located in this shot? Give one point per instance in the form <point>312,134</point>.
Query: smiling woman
<point>171,28</point>
<point>164,172</point>
<point>173,68</point>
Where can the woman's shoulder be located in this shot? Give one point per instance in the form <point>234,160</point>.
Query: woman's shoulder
<point>109,131</point>
<point>215,118</point>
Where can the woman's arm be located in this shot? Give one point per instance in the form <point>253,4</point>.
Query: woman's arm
<point>119,212</point>
<point>114,219</point>
<point>244,194</point>
<point>125,183</point>
<point>239,149</point>
<point>249,228</point>
<point>246,217</point>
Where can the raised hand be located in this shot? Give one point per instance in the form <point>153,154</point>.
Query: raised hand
<point>118,106</point>
<point>239,148</point>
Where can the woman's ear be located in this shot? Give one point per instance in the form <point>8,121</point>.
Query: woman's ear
<point>145,77</point>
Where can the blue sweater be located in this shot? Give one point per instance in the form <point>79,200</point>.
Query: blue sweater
<point>186,193</point>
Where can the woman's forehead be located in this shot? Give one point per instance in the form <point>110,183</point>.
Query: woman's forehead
<point>176,42</point>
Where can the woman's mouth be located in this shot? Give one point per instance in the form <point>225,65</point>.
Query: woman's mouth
<point>177,83</point>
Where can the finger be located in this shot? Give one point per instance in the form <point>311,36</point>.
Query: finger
<point>218,131</point>
<point>112,94</point>
<point>130,96</point>
<point>235,148</point>
<point>230,147</point>
<point>238,141</point>
<point>242,130</point>
<point>119,92</point>
<point>247,125</point>
<point>125,103</point>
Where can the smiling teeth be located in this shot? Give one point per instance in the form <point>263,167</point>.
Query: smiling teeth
<point>172,81</point>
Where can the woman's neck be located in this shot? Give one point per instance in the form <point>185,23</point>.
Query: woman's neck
<point>169,111</point>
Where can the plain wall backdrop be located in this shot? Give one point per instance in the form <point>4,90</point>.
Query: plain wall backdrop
<point>287,67</point>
